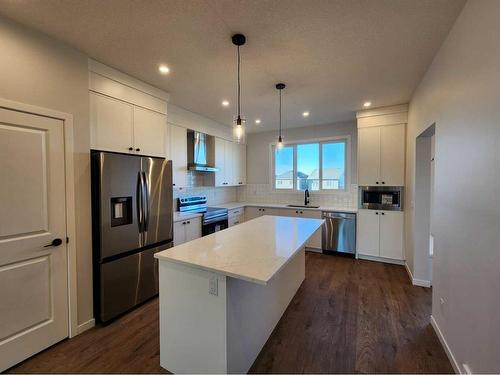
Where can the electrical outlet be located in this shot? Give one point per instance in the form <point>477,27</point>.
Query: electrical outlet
<point>213,286</point>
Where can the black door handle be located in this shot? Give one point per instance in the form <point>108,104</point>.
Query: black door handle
<point>55,242</point>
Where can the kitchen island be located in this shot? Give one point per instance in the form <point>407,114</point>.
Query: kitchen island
<point>222,295</point>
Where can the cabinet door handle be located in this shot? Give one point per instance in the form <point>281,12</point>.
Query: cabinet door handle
<point>301,212</point>
<point>137,149</point>
<point>376,182</point>
<point>173,184</point>
<point>376,213</point>
<point>189,222</point>
<point>183,223</point>
<point>382,213</point>
<point>383,182</point>
<point>130,148</point>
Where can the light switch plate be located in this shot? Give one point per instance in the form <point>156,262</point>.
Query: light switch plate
<point>213,286</point>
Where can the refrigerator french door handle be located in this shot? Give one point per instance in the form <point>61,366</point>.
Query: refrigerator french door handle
<point>146,202</point>
<point>140,202</point>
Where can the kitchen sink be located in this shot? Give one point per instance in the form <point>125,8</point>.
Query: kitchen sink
<point>301,206</point>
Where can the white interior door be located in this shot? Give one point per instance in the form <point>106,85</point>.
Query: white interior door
<point>33,277</point>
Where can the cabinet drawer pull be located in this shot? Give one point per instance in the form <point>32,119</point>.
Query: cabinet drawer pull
<point>383,182</point>
<point>189,222</point>
<point>376,182</point>
<point>137,149</point>
<point>376,213</point>
<point>382,213</point>
<point>130,148</point>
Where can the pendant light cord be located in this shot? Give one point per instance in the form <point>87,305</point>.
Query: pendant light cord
<point>280,113</point>
<point>239,91</point>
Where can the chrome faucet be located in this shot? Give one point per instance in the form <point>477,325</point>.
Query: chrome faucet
<point>306,197</point>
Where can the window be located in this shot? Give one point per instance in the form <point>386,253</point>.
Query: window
<point>316,166</point>
<point>283,170</point>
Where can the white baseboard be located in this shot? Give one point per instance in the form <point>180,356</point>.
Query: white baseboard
<point>380,259</point>
<point>417,282</point>
<point>85,326</point>
<point>446,348</point>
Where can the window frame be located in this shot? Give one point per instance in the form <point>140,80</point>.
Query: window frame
<point>321,142</point>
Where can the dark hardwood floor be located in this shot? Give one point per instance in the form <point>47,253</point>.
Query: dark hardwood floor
<point>349,316</point>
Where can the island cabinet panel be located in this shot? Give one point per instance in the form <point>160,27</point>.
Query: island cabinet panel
<point>315,242</point>
<point>211,323</point>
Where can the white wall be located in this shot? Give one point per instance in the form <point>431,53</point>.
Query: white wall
<point>460,93</point>
<point>258,147</point>
<point>35,69</point>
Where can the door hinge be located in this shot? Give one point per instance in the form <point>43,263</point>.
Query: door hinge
<point>67,239</point>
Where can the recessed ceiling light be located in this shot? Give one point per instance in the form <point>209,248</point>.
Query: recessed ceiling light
<point>367,104</point>
<point>225,103</point>
<point>257,121</point>
<point>164,69</point>
<point>305,114</point>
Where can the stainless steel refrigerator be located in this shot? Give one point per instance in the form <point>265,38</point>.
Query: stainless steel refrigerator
<point>131,220</point>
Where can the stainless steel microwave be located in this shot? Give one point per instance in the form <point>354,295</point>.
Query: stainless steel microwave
<point>388,198</point>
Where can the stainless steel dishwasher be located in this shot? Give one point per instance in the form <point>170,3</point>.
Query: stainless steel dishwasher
<point>339,233</point>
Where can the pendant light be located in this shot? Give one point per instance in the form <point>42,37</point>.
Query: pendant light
<point>238,128</point>
<point>280,87</point>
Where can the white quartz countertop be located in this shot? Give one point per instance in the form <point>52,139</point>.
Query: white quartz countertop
<point>253,251</point>
<point>233,205</point>
<point>179,216</point>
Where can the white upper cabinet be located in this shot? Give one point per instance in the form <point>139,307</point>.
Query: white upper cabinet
<point>178,154</point>
<point>239,164</point>
<point>111,124</point>
<point>150,132</point>
<point>228,162</point>
<point>381,146</point>
<point>381,155</point>
<point>230,159</point>
<point>368,156</point>
<point>126,115</point>
<point>220,162</point>
<point>392,155</point>
<point>123,127</point>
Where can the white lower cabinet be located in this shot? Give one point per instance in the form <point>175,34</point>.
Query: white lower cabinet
<point>187,230</point>
<point>254,212</point>
<point>380,233</point>
<point>236,216</point>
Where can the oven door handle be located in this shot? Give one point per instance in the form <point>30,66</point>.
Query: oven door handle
<point>216,219</point>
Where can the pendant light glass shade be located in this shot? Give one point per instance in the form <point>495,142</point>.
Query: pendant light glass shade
<point>239,135</point>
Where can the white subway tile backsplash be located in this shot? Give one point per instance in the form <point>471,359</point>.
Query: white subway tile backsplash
<point>263,193</point>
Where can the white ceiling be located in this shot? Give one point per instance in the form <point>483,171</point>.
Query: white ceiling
<point>333,55</point>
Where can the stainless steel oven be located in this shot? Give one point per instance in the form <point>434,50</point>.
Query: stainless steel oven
<point>388,198</point>
<point>214,218</point>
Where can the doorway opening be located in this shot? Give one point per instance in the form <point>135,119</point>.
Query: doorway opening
<point>423,240</point>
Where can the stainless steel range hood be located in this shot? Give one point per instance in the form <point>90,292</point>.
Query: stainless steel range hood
<point>201,152</point>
